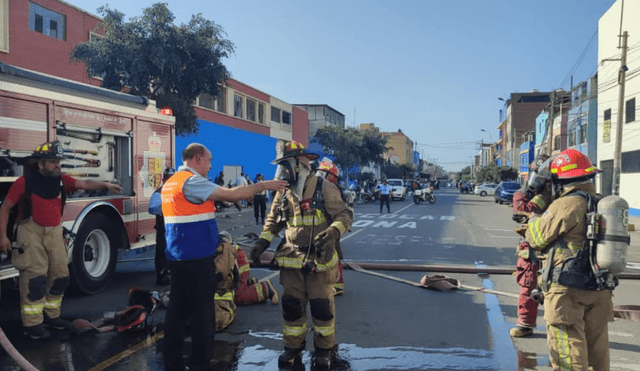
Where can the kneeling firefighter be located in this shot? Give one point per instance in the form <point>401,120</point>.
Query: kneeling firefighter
<point>314,217</point>
<point>577,308</point>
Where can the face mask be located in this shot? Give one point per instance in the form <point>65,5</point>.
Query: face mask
<point>287,170</point>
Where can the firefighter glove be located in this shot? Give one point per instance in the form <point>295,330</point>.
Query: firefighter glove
<point>325,242</point>
<point>257,250</point>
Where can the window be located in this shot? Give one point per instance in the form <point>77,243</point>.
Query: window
<point>47,22</point>
<point>607,114</point>
<point>237,105</point>
<point>206,101</point>
<point>630,110</point>
<point>251,109</point>
<point>4,25</point>
<point>275,114</point>
<point>572,138</point>
<point>583,134</point>
<point>556,143</point>
<point>261,113</point>
<point>630,162</point>
<point>286,117</point>
<point>221,100</point>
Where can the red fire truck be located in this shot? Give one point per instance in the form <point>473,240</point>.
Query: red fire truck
<point>106,135</point>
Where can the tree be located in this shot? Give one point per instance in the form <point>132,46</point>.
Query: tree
<point>495,174</point>
<point>350,146</point>
<point>152,57</point>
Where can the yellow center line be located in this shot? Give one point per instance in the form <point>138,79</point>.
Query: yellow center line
<point>122,355</point>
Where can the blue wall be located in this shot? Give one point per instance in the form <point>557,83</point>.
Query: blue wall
<point>230,146</point>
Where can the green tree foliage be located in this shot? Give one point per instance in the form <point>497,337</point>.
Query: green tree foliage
<point>495,174</point>
<point>351,146</point>
<point>152,57</point>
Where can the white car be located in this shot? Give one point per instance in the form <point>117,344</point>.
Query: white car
<point>485,189</point>
<point>398,190</point>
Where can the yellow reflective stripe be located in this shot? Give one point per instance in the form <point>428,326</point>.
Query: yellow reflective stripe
<point>32,309</point>
<point>287,262</point>
<point>307,220</point>
<point>243,268</point>
<point>534,229</point>
<point>227,296</point>
<point>267,235</point>
<point>339,226</point>
<point>562,345</point>
<point>569,167</point>
<point>329,265</point>
<point>260,291</point>
<point>294,330</point>
<point>326,330</point>
<point>53,303</point>
<point>338,285</point>
<point>538,201</point>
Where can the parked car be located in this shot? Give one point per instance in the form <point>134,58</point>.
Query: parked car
<point>505,190</point>
<point>485,189</point>
<point>398,189</point>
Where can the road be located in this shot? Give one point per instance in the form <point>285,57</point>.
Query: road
<point>382,324</point>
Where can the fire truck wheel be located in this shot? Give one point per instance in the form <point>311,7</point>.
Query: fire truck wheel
<point>94,254</point>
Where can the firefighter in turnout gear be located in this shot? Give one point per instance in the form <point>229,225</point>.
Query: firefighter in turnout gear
<point>314,217</point>
<point>41,256</point>
<point>577,314</point>
<point>532,199</point>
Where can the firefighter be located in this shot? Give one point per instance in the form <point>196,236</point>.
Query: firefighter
<point>532,199</point>
<point>329,171</point>
<point>41,256</point>
<point>308,258</point>
<point>575,311</point>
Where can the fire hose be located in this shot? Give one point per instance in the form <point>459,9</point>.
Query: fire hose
<point>14,354</point>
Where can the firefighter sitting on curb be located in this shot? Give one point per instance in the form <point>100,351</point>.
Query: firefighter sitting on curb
<point>533,199</point>
<point>235,284</point>
<point>576,311</point>
<point>308,259</point>
<point>41,257</point>
<point>329,171</point>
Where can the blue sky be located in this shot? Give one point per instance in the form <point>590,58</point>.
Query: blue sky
<point>433,69</point>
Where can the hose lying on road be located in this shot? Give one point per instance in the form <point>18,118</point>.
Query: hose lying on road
<point>14,354</point>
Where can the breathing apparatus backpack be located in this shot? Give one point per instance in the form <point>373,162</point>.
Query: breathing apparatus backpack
<point>604,253</point>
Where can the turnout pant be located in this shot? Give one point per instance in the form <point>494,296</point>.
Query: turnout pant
<point>577,324</point>
<point>191,302</point>
<point>44,274</point>
<point>315,289</point>
<point>526,276</point>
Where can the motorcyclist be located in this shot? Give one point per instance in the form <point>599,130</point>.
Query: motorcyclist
<point>575,311</point>
<point>314,218</point>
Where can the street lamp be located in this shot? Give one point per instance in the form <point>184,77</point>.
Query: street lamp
<point>490,140</point>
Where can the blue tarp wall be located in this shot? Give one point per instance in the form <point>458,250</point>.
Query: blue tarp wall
<point>231,146</point>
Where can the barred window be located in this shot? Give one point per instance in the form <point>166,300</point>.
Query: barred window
<point>206,101</point>
<point>251,109</point>
<point>261,113</point>
<point>275,114</point>
<point>286,117</point>
<point>237,105</point>
<point>47,22</point>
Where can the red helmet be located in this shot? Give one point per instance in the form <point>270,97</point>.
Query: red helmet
<point>331,169</point>
<point>291,148</point>
<point>571,164</point>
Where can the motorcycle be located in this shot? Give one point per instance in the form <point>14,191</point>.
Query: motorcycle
<point>363,196</point>
<point>425,194</point>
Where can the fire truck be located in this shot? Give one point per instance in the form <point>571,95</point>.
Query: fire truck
<point>107,136</point>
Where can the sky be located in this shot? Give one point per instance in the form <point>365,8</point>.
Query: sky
<point>433,69</point>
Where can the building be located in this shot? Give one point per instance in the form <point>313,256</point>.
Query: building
<point>582,125</point>
<point>610,26</point>
<point>39,35</point>
<point>321,115</point>
<point>518,120</point>
<point>400,148</point>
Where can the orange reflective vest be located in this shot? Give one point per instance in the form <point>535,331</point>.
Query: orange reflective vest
<point>191,229</point>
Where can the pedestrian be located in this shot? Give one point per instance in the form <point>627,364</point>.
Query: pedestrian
<point>533,199</point>
<point>384,193</point>
<point>308,258</point>
<point>220,179</point>
<point>329,171</point>
<point>192,238</point>
<point>576,312</point>
<point>42,258</point>
<point>236,286</point>
<point>163,273</point>
<point>260,202</point>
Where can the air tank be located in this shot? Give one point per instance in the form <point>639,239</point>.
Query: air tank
<point>611,254</point>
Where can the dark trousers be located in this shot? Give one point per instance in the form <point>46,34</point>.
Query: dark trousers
<point>191,302</point>
<point>384,199</point>
<point>259,206</point>
<point>161,246</point>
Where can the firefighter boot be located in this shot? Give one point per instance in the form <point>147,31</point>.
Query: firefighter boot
<point>520,332</point>
<point>290,357</point>
<point>322,359</point>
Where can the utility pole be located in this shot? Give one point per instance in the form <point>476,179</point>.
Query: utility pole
<point>617,154</point>
<point>550,125</point>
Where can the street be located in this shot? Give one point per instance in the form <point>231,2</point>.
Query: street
<point>382,324</point>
